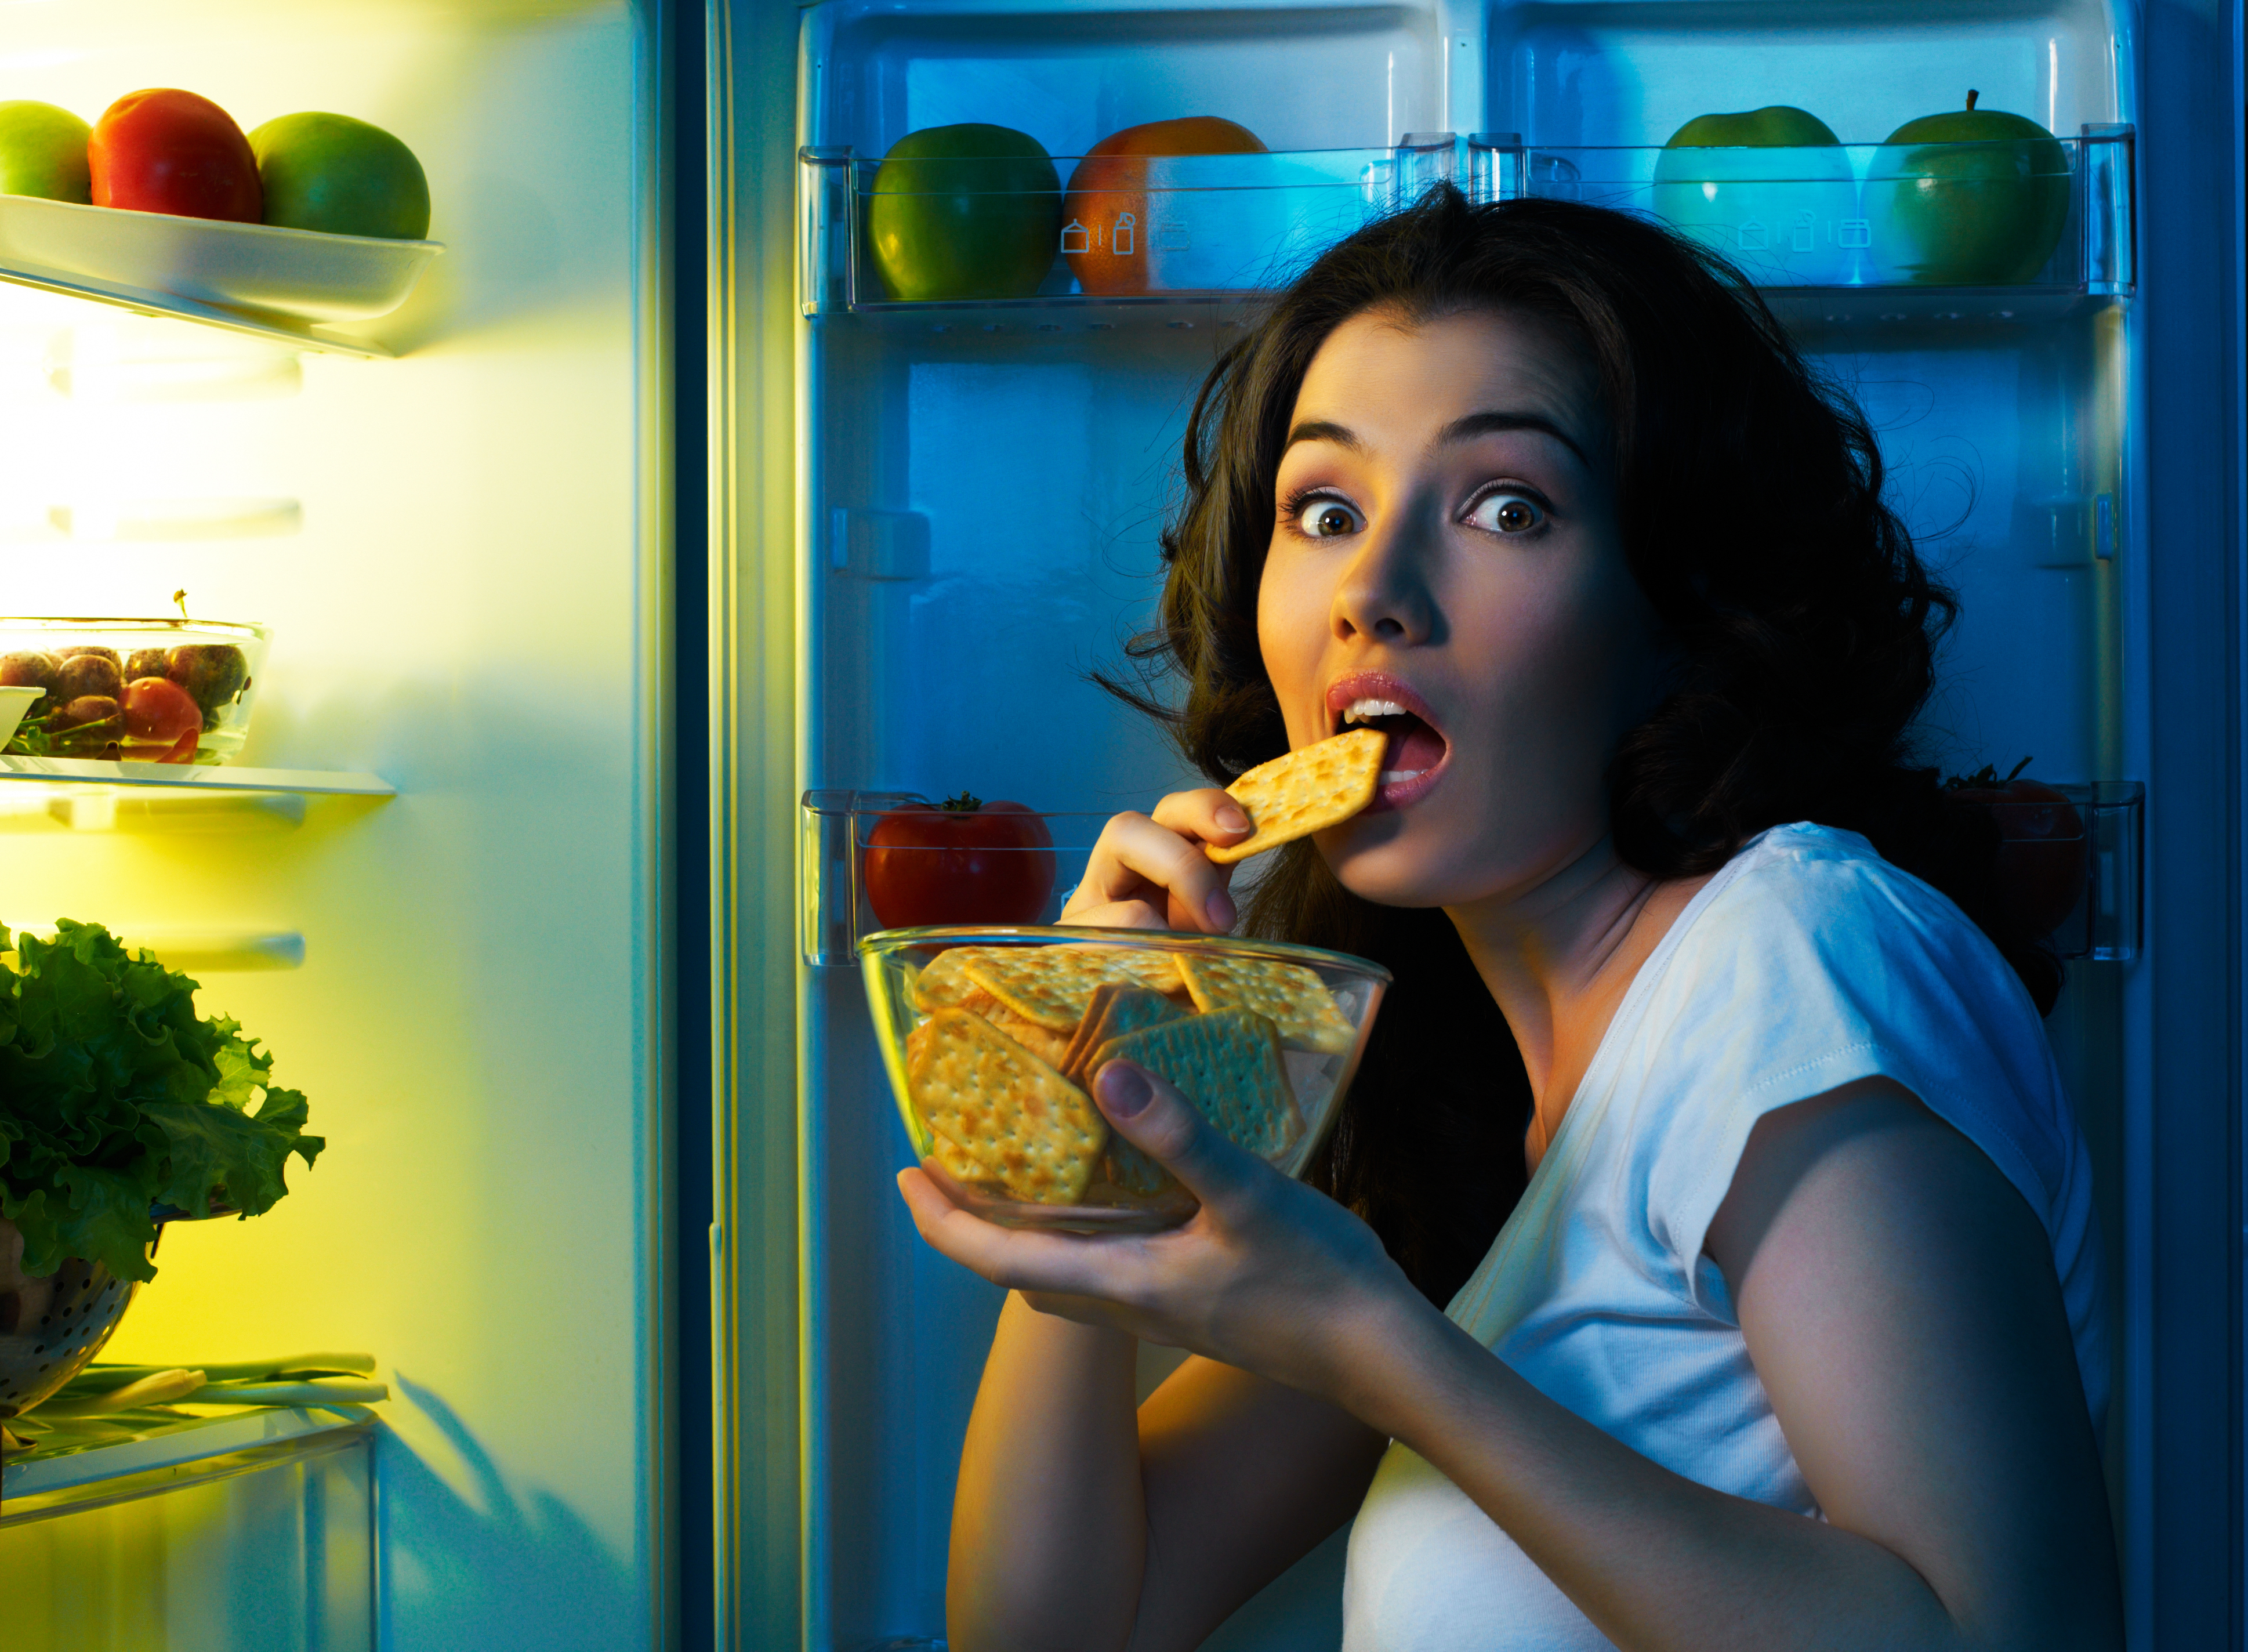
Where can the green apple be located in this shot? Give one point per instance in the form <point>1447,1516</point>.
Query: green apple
<point>1970,197</point>
<point>1770,189</point>
<point>43,153</point>
<point>330,173</point>
<point>968,211</point>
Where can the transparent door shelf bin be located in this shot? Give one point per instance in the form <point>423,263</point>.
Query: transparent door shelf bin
<point>2104,924</point>
<point>838,827</point>
<point>1235,223</point>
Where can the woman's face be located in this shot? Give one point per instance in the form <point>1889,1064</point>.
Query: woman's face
<point>1445,564</point>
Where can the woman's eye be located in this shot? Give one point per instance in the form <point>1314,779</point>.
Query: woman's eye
<point>1505,513</point>
<point>1327,519</point>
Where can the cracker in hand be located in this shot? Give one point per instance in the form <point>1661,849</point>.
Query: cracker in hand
<point>1306,791</point>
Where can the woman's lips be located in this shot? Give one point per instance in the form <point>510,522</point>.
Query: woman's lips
<point>1417,752</point>
<point>1398,789</point>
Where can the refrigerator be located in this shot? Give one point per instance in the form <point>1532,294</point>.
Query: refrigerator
<point>447,911</point>
<point>618,574</point>
<point>933,519</point>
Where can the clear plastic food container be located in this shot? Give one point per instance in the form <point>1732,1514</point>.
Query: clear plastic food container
<point>133,690</point>
<point>992,1037</point>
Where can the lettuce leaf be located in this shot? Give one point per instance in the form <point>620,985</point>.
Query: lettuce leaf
<point>115,1098</point>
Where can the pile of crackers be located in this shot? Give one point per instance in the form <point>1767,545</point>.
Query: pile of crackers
<point>1001,1065</point>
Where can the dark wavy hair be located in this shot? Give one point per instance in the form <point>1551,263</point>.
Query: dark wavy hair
<point>1804,623</point>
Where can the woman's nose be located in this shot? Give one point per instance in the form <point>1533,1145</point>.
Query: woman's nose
<point>1384,594</point>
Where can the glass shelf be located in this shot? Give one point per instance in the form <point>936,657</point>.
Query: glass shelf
<point>1843,234</point>
<point>189,1527</point>
<point>86,795</point>
<point>297,335</point>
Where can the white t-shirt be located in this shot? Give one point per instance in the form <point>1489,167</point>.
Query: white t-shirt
<point>1807,963</point>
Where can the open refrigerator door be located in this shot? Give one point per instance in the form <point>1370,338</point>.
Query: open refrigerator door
<point>983,453</point>
<point>429,874</point>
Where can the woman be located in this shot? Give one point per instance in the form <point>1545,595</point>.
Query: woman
<point>1545,493</point>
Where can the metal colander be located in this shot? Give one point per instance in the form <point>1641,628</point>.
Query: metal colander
<point>50,1328</point>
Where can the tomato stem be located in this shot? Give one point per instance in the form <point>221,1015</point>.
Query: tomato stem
<point>966,803</point>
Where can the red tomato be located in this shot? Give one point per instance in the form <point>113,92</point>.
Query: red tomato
<point>2043,852</point>
<point>1108,195</point>
<point>960,861</point>
<point>160,713</point>
<point>165,151</point>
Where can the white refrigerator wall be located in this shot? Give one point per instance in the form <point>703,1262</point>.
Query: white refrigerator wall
<point>1040,444</point>
<point>460,554</point>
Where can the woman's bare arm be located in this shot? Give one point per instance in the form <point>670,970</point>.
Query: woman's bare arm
<point>1898,1300</point>
<point>1079,1527</point>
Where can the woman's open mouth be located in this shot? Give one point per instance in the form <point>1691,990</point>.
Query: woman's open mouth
<point>1417,751</point>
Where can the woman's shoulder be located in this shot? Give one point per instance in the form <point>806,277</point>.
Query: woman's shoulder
<point>1820,903</point>
<point>1809,962</point>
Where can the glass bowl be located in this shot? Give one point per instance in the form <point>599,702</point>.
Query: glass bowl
<point>88,708</point>
<point>992,1038</point>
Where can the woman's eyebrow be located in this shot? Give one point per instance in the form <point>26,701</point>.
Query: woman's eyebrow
<point>1477,424</point>
<point>1325,430</point>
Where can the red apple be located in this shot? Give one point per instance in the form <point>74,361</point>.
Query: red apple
<point>169,151</point>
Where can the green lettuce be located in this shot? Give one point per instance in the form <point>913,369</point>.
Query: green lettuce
<point>116,1099</point>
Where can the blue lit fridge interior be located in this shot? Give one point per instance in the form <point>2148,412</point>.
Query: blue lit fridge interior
<point>983,484</point>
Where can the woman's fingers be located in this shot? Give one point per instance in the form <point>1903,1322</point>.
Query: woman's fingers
<point>1019,1258</point>
<point>1152,1116</point>
<point>1137,860</point>
<point>1205,812</point>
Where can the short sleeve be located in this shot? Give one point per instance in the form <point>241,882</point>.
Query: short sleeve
<point>1817,964</point>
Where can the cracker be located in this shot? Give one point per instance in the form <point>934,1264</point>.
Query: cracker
<point>1020,1122</point>
<point>954,1161</point>
<point>1054,986</point>
<point>1227,1065</point>
<point>1306,791</point>
<point>1050,1046</point>
<point>944,983</point>
<point>1115,1010</point>
<point>1293,998</point>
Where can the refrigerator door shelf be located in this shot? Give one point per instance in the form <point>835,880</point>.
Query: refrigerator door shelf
<point>1191,228</point>
<point>838,829</point>
<point>1861,216</point>
<point>1810,224</point>
<point>2092,838</point>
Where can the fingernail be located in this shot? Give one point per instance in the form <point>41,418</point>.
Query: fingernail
<point>1231,818</point>
<point>1124,1090</point>
<point>1219,909</point>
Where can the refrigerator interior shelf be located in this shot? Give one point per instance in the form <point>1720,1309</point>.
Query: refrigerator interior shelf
<point>145,301</point>
<point>149,1453</point>
<point>253,276</point>
<point>838,830</point>
<point>83,795</point>
<point>1848,233</point>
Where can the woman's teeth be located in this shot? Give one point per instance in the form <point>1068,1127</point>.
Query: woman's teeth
<point>1366,710</point>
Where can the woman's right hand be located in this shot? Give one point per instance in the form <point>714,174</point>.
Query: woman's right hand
<point>1150,873</point>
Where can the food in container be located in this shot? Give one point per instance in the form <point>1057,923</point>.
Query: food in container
<point>992,1037</point>
<point>133,690</point>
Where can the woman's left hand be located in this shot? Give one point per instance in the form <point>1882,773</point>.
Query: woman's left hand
<point>1268,1276</point>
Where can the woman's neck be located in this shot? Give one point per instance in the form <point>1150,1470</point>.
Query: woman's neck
<point>1557,959</point>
